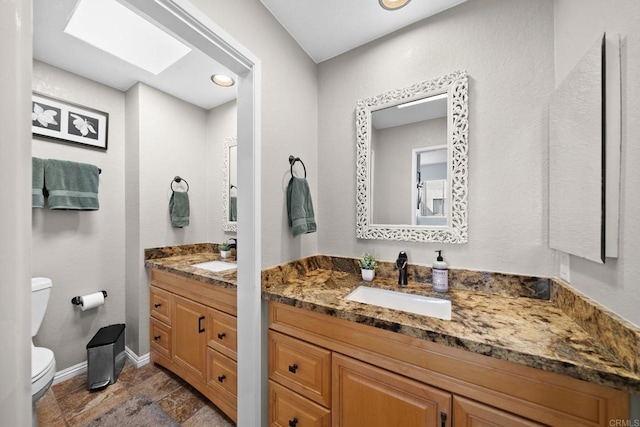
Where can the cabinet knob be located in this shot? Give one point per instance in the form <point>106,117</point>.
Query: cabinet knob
<point>157,305</point>
<point>293,368</point>
<point>222,377</point>
<point>222,335</point>
<point>156,338</point>
<point>293,422</point>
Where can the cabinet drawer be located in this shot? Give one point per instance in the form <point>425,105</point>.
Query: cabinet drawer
<point>223,333</point>
<point>160,337</point>
<point>160,305</point>
<point>287,408</point>
<point>222,372</point>
<point>300,366</point>
<point>469,413</point>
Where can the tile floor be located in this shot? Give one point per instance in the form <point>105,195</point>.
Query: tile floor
<point>69,404</point>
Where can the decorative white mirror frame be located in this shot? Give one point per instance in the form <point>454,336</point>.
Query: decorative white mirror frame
<point>456,87</point>
<point>226,224</point>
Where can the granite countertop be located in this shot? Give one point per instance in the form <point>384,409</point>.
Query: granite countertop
<point>527,331</point>
<point>518,319</point>
<point>180,263</point>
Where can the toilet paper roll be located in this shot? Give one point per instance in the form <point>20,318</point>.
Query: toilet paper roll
<point>91,301</point>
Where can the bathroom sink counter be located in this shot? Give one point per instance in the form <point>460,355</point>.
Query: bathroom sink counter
<point>179,260</point>
<point>528,331</point>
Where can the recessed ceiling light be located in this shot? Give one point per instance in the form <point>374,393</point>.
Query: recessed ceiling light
<point>393,4</point>
<point>222,80</point>
<point>115,29</point>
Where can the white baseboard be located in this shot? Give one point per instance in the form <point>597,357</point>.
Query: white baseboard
<point>70,372</point>
<point>81,368</point>
<point>138,361</point>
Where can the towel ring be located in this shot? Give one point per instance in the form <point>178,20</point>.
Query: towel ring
<point>292,160</point>
<point>178,180</point>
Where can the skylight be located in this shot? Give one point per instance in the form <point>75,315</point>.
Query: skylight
<point>111,27</point>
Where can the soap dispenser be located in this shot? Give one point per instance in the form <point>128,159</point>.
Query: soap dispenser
<point>440,274</point>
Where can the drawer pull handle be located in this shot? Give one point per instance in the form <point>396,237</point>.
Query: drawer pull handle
<point>222,377</point>
<point>157,305</point>
<point>156,338</point>
<point>200,328</point>
<point>443,419</point>
<point>293,368</point>
<point>222,335</point>
<point>293,422</point>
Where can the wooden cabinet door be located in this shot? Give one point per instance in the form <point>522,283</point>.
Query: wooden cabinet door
<point>364,395</point>
<point>189,337</point>
<point>468,413</point>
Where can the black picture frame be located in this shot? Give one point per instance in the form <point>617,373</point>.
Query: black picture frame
<point>62,121</point>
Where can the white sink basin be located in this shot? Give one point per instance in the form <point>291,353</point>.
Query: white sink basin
<point>417,304</point>
<point>216,266</point>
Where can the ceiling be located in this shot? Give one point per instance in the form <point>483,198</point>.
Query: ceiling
<point>323,28</point>
<point>188,79</point>
<point>327,28</point>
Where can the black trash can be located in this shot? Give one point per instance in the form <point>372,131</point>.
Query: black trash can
<point>105,356</point>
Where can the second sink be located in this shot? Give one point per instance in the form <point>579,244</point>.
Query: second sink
<point>417,304</point>
<point>216,266</point>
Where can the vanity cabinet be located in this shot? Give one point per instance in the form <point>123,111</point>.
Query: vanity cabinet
<point>381,378</point>
<point>193,333</point>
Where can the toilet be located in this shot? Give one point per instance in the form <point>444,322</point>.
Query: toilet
<point>43,364</point>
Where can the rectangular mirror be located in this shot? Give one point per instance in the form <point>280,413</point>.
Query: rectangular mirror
<point>412,162</point>
<point>230,185</point>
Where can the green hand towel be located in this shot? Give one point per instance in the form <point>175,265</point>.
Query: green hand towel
<point>37,174</point>
<point>233,208</point>
<point>300,207</point>
<point>179,209</point>
<point>71,185</point>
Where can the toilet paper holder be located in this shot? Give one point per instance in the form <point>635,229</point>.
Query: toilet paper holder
<point>78,300</point>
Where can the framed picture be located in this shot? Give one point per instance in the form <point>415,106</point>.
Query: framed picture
<point>63,121</point>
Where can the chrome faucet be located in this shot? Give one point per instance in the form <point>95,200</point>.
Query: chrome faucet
<point>401,266</point>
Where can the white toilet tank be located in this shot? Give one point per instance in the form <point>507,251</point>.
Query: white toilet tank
<point>40,291</point>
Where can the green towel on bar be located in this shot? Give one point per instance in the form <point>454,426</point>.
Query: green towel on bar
<point>179,209</point>
<point>71,185</point>
<point>300,207</point>
<point>37,180</point>
<point>233,208</point>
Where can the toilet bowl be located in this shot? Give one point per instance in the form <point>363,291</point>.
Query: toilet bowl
<point>43,363</point>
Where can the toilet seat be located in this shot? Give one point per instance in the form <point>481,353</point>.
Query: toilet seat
<point>43,368</point>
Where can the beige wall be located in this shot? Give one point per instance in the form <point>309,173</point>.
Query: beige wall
<point>221,124</point>
<point>171,141</point>
<point>82,252</point>
<point>15,245</point>
<point>578,24</point>
<point>289,119</point>
<point>507,49</point>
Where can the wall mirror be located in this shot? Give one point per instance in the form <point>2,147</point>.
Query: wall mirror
<point>230,185</point>
<point>412,162</point>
